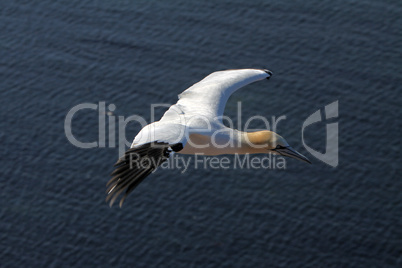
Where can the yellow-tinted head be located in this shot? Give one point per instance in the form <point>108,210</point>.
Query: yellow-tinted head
<point>269,142</point>
<point>265,139</point>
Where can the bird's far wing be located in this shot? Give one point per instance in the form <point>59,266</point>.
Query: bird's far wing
<point>209,96</point>
<point>151,147</point>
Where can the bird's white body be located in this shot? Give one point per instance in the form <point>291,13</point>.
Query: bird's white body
<point>219,140</point>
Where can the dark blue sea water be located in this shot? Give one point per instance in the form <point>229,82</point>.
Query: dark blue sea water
<point>57,54</point>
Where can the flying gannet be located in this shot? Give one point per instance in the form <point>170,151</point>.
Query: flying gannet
<point>194,126</point>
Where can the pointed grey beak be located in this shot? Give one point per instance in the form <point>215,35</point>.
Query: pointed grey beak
<point>290,152</point>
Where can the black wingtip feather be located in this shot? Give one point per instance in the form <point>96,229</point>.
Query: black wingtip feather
<point>128,174</point>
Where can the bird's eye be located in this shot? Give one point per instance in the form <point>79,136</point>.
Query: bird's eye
<point>279,147</point>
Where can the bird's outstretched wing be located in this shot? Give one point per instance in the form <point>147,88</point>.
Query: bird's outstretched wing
<point>208,97</point>
<point>151,147</point>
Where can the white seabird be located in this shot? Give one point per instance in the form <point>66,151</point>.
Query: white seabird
<point>194,125</point>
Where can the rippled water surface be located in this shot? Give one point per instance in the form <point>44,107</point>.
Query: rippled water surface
<point>57,54</point>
